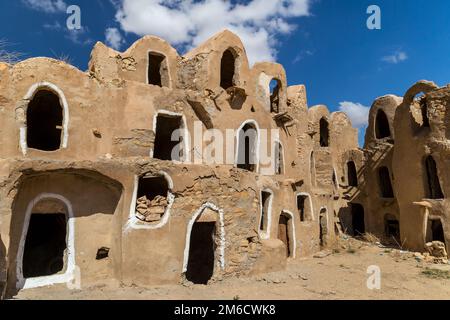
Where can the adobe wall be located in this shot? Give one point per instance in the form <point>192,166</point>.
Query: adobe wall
<point>108,142</point>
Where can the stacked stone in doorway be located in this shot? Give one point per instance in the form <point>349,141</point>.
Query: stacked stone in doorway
<point>151,210</point>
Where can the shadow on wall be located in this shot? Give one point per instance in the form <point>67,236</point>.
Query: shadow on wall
<point>46,230</point>
<point>2,268</point>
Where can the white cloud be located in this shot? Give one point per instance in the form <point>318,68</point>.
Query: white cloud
<point>48,6</point>
<point>114,38</point>
<point>80,36</point>
<point>358,114</point>
<point>188,23</point>
<point>396,57</point>
<point>53,26</point>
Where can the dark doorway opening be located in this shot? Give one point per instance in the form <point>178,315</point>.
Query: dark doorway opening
<point>200,267</point>
<point>358,222</point>
<point>382,129</point>
<point>385,183</point>
<point>284,233</point>
<point>352,175</point>
<point>392,227</point>
<point>227,69</point>
<point>434,190</point>
<point>247,148</point>
<point>275,87</point>
<point>324,133</point>
<point>323,227</point>
<point>265,202</point>
<point>45,245</point>
<point>155,68</point>
<point>165,148</point>
<point>44,121</point>
<point>435,231</point>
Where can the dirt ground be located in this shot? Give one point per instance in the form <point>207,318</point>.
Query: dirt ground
<point>339,274</point>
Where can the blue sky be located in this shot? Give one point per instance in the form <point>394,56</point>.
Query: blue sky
<point>323,44</point>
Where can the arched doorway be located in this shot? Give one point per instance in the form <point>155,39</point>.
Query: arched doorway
<point>205,245</point>
<point>382,129</point>
<point>46,249</point>
<point>247,147</point>
<point>286,232</point>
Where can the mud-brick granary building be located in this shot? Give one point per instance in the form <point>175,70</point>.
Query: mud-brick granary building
<point>90,188</point>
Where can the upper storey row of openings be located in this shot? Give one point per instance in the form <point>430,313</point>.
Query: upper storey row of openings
<point>218,64</point>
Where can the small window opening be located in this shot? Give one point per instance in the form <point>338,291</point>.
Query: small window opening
<point>227,70</point>
<point>324,133</point>
<point>385,183</point>
<point>152,199</point>
<point>168,127</point>
<point>382,129</point>
<point>434,190</point>
<point>44,121</point>
<point>102,253</point>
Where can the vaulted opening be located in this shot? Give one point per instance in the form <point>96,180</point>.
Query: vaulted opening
<point>265,210</point>
<point>285,233</point>
<point>228,69</point>
<point>275,88</point>
<point>385,183</point>
<point>168,138</point>
<point>382,129</point>
<point>433,186</point>
<point>358,222</point>
<point>152,199</point>
<point>44,121</point>
<point>247,146</point>
<point>392,227</point>
<point>352,175</point>
<point>323,227</point>
<point>279,161</point>
<point>435,231</point>
<point>45,245</point>
<point>200,267</point>
<point>324,133</point>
